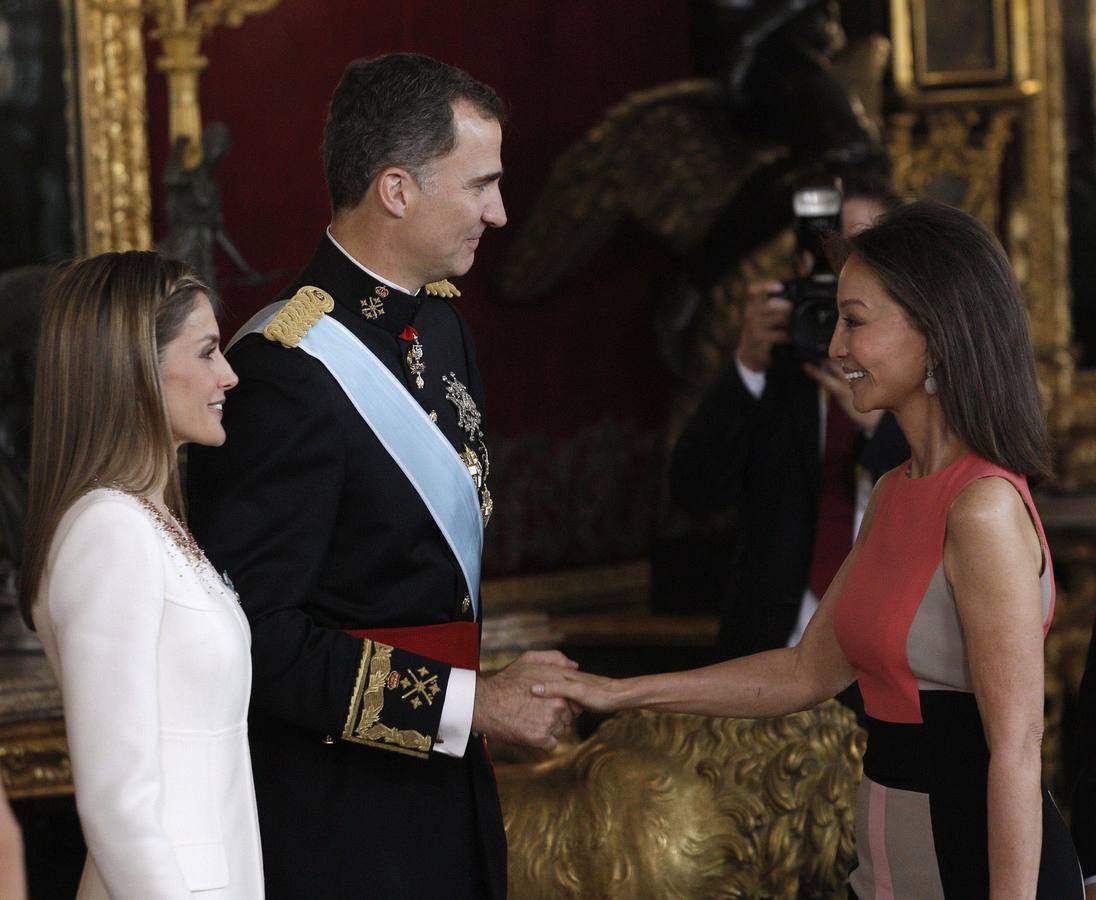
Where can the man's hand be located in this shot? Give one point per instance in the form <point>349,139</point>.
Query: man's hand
<point>505,709</point>
<point>828,374</point>
<point>764,325</point>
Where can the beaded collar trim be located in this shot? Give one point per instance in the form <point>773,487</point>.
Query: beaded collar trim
<point>171,527</point>
<point>178,532</point>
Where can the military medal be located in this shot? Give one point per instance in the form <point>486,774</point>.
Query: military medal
<point>479,471</point>
<point>373,307</point>
<point>468,416</point>
<point>414,356</point>
<point>469,420</point>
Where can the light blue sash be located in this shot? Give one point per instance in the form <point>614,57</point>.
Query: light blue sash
<point>424,454</point>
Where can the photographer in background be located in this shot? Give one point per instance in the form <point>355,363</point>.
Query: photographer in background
<point>777,437</point>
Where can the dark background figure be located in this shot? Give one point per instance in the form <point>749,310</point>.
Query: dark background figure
<point>793,462</point>
<point>35,216</point>
<point>196,226</point>
<point>21,294</point>
<point>773,63</point>
<point>1083,824</point>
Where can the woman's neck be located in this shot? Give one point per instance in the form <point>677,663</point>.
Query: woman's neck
<point>156,494</point>
<point>933,444</point>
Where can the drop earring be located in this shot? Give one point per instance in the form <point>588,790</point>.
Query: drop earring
<point>931,386</point>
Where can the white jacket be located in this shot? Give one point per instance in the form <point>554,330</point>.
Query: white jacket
<point>152,653</point>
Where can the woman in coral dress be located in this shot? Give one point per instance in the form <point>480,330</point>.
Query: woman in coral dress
<point>942,605</point>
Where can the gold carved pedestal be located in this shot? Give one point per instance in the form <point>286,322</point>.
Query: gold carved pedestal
<point>656,806</point>
<point>33,753</point>
<point>34,759</point>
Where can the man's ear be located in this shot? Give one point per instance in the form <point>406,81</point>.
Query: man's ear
<point>395,189</point>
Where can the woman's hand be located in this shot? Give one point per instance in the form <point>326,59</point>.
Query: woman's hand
<point>593,692</point>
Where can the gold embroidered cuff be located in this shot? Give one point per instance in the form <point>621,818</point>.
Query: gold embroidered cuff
<point>363,720</point>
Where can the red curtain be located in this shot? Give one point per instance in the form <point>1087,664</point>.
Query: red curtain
<point>583,352</point>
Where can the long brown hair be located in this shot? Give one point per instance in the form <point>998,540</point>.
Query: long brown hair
<point>953,279</point>
<point>99,411</point>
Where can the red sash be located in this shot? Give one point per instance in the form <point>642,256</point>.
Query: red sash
<point>453,643</point>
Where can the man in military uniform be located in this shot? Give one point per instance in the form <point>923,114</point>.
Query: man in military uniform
<point>349,503</point>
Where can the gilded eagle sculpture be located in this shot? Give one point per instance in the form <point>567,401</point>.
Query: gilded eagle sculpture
<point>705,165</point>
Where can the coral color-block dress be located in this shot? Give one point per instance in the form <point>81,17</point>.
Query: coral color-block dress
<point>921,812</point>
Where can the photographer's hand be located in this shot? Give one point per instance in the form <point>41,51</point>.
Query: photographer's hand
<point>829,375</point>
<point>763,326</point>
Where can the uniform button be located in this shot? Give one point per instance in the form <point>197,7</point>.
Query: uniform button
<point>328,739</point>
<point>466,604</point>
<point>433,415</point>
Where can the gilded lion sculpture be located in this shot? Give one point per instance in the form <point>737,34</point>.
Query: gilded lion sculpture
<point>664,806</point>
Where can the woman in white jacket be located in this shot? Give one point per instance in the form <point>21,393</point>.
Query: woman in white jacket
<point>147,641</point>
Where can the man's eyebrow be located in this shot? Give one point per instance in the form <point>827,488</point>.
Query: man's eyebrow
<point>485,179</point>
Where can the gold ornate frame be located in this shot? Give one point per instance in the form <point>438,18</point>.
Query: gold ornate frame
<point>1035,221</point>
<point>109,123</point>
<point>997,71</point>
<point>1082,450</point>
<point>1012,30</point>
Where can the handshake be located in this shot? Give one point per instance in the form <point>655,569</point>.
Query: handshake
<point>534,699</point>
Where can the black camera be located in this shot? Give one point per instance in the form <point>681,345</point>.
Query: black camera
<point>813,292</point>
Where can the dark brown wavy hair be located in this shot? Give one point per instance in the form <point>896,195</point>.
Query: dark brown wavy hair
<point>395,110</point>
<point>952,277</point>
<point>99,411</point>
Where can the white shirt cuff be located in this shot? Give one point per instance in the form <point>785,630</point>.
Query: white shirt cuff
<point>754,381</point>
<point>1090,880</point>
<point>456,713</point>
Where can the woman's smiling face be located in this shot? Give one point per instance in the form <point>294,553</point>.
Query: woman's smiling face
<point>883,356</point>
<point>195,377</point>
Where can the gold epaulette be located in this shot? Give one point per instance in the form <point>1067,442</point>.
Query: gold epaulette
<point>443,288</point>
<point>295,318</point>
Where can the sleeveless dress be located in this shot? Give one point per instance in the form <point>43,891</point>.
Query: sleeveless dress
<point>921,828</point>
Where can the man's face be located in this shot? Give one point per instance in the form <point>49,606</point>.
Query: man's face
<point>460,198</point>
